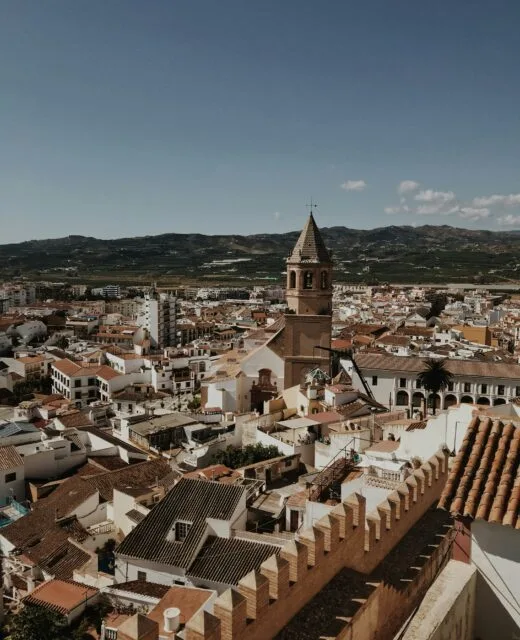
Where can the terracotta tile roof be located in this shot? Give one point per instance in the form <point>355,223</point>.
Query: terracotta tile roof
<point>71,369</point>
<point>397,341</point>
<point>63,560</point>
<point>61,596</point>
<point>107,373</point>
<point>49,524</point>
<point>9,458</point>
<point>484,481</point>
<point>327,417</point>
<point>31,359</point>
<point>467,368</point>
<point>385,446</point>
<point>74,419</point>
<point>247,556</point>
<point>191,501</point>
<point>143,474</point>
<point>188,599</point>
<point>135,516</point>
<point>142,587</point>
<point>413,426</point>
<point>67,367</point>
<point>340,343</point>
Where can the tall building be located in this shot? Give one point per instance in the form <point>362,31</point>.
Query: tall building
<point>159,318</point>
<point>308,324</point>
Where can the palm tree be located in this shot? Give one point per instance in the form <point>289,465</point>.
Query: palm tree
<point>434,377</point>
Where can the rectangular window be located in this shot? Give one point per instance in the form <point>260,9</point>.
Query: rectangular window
<point>517,391</point>
<point>181,530</point>
<point>374,381</point>
<point>77,395</point>
<point>467,387</point>
<point>141,575</point>
<point>10,477</point>
<point>451,386</point>
<point>91,382</point>
<point>417,384</point>
<point>402,382</point>
<point>483,388</point>
<point>77,383</point>
<point>501,389</point>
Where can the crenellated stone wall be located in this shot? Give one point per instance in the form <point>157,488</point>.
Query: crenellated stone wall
<point>267,600</point>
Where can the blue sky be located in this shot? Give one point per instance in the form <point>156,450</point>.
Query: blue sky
<point>133,117</point>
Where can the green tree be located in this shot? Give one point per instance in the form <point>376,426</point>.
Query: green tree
<point>62,343</point>
<point>234,458</point>
<point>194,404</point>
<point>434,377</point>
<point>36,623</point>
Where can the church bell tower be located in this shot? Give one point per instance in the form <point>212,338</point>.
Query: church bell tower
<point>309,299</point>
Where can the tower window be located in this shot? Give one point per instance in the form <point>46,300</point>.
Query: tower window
<point>324,280</point>
<point>292,280</point>
<point>307,280</point>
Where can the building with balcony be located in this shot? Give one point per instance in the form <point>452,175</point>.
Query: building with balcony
<point>158,316</point>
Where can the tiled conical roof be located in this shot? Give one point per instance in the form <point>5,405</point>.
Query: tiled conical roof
<point>310,246</point>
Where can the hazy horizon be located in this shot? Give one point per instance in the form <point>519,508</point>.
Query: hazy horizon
<point>322,228</point>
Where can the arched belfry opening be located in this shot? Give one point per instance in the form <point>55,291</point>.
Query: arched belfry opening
<point>309,300</point>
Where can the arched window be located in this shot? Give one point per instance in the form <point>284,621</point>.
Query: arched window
<point>324,282</point>
<point>264,377</point>
<point>307,280</point>
<point>292,280</point>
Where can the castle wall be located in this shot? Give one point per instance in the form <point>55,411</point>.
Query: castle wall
<point>346,538</point>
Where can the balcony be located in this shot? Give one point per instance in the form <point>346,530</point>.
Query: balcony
<point>103,527</point>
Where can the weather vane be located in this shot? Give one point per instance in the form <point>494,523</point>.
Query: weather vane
<point>312,205</point>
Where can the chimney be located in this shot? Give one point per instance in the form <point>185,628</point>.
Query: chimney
<point>172,619</point>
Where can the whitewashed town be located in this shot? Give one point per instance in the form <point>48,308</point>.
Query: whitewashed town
<point>299,461</point>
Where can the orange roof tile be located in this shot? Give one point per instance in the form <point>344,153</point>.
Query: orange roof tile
<point>188,599</point>
<point>484,482</point>
<point>66,366</point>
<point>61,596</point>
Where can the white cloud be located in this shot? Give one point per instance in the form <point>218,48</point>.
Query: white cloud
<point>451,211</point>
<point>429,209</point>
<point>277,215</point>
<point>354,185</point>
<point>472,213</point>
<point>407,185</point>
<point>513,199</point>
<point>509,220</point>
<point>391,210</point>
<point>428,195</point>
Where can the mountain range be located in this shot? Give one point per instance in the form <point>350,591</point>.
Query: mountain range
<point>386,254</point>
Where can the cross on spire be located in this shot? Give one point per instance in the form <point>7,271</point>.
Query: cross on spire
<point>311,206</point>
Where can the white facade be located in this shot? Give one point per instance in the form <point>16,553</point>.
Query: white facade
<point>12,484</point>
<point>495,551</point>
<point>400,389</point>
<point>158,316</point>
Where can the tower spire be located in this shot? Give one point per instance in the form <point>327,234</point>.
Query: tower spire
<point>310,246</point>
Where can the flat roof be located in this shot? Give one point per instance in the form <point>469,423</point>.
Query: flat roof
<point>298,423</point>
